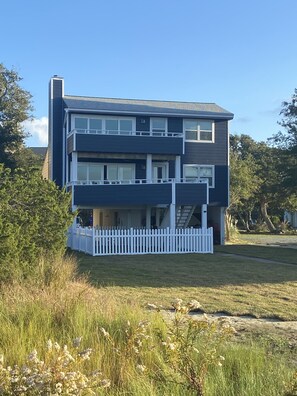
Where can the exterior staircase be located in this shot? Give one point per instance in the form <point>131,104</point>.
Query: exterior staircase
<point>183,215</point>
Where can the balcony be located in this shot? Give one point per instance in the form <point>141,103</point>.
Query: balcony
<point>104,193</point>
<point>134,142</point>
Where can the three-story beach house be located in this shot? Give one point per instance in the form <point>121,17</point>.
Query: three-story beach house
<point>140,164</point>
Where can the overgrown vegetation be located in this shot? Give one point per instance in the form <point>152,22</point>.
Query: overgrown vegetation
<point>133,350</point>
<point>34,218</point>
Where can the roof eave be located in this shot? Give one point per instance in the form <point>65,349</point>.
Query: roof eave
<point>202,114</point>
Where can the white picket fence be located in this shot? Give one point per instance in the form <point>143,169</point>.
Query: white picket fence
<point>103,242</point>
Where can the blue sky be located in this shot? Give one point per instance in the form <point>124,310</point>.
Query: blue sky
<point>240,54</point>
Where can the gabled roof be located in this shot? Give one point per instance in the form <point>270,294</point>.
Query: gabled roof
<point>145,107</point>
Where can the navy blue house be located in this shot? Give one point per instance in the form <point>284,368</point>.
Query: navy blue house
<point>140,163</point>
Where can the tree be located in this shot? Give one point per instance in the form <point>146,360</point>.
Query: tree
<point>15,107</point>
<point>256,179</point>
<point>287,143</point>
<point>34,218</point>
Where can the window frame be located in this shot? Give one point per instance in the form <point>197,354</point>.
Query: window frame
<point>160,132</point>
<point>103,120</point>
<point>199,130</point>
<point>212,167</point>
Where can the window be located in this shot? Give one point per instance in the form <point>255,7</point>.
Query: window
<point>121,172</point>
<point>80,124</point>
<point>110,125</point>
<point>199,130</point>
<point>95,124</point>
<point>200,172</point>
<point>90,172</point>
<point>94,172</point>
<point>158,126</point>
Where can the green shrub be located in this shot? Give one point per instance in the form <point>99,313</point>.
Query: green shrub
<point>34,217</point>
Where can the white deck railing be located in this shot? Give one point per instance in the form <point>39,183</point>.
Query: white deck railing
<point>103,242</point>
<point>125,133</point>
<point>138,181</point>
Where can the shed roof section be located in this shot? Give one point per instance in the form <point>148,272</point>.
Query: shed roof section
<point>147,107</point>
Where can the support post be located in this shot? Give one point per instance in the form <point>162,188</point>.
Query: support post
<point>177,168</point>
<point>172,211</point>
<point>149,167</point>
<point>204,216</point>
<point>74,166</point>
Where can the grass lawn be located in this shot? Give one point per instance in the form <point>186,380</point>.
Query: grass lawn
<point>235,285</point>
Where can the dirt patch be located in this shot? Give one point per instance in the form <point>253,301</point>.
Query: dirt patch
<point>263,326</point>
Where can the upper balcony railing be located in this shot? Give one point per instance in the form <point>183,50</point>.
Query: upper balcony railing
<point>135,181</point>
<point>125,133</point>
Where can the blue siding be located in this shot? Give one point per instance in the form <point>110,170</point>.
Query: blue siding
<point>129,144</point>
<point>191,194</point>
<point>111,195</point>
<point>57,141</point>
<point>139,195</point>
<point>219,196</point>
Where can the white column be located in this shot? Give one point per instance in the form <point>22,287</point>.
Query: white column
<point>74,166</point>
<point>148,217</point>
<point>149,168</point>
<point>177,168</point>
<point>204,216</point>
<point>172,212</point>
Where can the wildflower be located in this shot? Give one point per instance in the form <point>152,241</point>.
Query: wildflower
<point>49,345</point>
<point>57,346</point>
<point>104,332</point>
<point>141,368</point>
<point>172,346</point>
<point>85,355</point>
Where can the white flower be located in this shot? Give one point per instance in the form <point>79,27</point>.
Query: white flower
<point>49,345</point>
<point>104,332</point>
<point>141,368</point>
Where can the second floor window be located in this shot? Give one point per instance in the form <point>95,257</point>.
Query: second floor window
<point>109,125</point>
<point>199,130</point>
<point>200,172</point>
<point>158,126</point>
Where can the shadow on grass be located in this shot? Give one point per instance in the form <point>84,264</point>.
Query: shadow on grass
<point>188,270</point>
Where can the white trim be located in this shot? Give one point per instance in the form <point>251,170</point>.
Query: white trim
<point>198,166</point>
<point>205,117</point>
<point>198,140</point>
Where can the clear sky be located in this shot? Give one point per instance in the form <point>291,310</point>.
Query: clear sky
<point>239,54</point>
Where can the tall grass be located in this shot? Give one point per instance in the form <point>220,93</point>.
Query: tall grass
<point>57,305</point>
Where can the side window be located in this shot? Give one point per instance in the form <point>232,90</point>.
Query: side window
<point>199,131</point>
<point>200,172</point>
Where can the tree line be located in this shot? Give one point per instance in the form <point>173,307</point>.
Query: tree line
<point>263,182</point>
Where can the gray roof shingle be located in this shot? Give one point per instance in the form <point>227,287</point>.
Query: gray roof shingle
<point>150,107</point>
